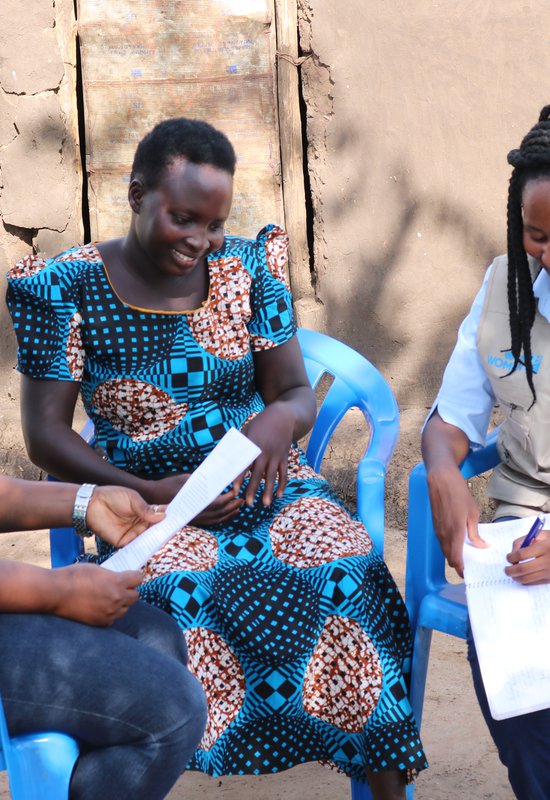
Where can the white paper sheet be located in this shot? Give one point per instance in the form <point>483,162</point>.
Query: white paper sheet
<point>510,623</point>
<point>231,456</point>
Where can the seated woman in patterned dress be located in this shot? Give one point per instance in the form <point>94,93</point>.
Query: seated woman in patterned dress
<point>172,335</point>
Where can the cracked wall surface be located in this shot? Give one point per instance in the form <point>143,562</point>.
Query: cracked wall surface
<point>40,196</point>
<point>40,174</point>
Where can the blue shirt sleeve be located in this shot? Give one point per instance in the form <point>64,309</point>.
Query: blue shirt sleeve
<point>466,398</point>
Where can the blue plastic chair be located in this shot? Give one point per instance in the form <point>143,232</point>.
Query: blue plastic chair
<point>356,383</point>
<point>434,604</point>
<point>39,765</point>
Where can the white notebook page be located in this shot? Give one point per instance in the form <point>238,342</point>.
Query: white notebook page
<point>510,624</point>
<point>231,456</point>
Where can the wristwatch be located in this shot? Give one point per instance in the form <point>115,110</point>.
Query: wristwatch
<point>81,502</point>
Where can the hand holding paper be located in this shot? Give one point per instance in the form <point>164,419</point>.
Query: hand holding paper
<point>231,456</point>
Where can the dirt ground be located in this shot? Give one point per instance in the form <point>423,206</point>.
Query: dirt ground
<point>463,761</point>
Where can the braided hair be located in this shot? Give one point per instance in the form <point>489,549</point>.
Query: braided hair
<point>530,162</point>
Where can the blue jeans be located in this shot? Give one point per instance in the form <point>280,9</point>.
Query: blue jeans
<point>523,742</point>
<point>124,692</point>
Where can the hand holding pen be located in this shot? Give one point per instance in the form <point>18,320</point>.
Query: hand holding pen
<point>534,531</point>
<point>530,558</point>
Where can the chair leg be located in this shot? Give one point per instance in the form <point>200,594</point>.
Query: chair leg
<point>419,671</point>
<point>361,791</point>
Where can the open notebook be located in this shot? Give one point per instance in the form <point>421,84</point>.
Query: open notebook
<point>510,624</point>
<point>231,456</point>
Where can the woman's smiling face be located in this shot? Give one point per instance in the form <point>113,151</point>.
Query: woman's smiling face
<point>536,220</point>
<point>181,220</point>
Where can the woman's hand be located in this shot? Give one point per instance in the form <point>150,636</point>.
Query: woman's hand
<point>455,513</point>
<point>225,506</point>
<point>118,515</point>
<point>272,431</point>
<point>289,414</point>
<point>92,595</point>
<point>530,565</point>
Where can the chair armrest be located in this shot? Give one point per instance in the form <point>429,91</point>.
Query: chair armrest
<point>371,477</point>
<point>482,459</point>
<point>425,559</point>
<point>425,570</point>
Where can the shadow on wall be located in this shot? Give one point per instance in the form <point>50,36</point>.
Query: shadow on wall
<point>399,306</point>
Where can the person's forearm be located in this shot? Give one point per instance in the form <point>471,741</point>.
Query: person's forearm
<point>25,588</point>
<point>47,409</point>
<point>301,403</point>
<point>63,453</point>
<point>443,445</point>
<point>27,505</point>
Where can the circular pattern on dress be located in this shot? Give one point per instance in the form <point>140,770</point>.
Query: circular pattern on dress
<point>87,253</point>
<point>260,343</point>
<point>76,355</point>
<point>191,549</point>
<point>220,326</point>
<point>26,267</point>
<point>313,531</point>
<point>343,679</point>
<point>271,614</point>
<point>298,468</point>
<point>276,252</point>
<point>272,743</point>
<point>217,668</point>
<point>138,409</point>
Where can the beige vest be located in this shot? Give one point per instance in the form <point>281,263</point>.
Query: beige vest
<point>521,483</point>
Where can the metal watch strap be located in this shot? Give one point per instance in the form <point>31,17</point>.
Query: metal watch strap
<point>81,502</point>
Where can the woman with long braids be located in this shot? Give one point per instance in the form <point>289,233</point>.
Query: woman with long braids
<point>503,356</point>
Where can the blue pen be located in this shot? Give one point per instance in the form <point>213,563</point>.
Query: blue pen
<point>536,528</point>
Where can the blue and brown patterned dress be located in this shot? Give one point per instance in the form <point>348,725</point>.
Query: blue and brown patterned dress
<point>293,623</point>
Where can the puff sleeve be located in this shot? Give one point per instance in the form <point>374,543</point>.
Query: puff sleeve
<point>42,301</point>
<point>272,317</point>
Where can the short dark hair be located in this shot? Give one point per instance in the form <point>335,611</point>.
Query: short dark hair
<point>180,137</point>
<point>531,162</point>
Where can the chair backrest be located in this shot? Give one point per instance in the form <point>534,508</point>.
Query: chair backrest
<point>425,559</point>
<point>356,384</point>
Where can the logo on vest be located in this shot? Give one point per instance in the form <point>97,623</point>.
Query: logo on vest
<point>505,363</point>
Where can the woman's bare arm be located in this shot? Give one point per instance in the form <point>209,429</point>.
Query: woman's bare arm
<point>454,509</point>
<point>290,411</point>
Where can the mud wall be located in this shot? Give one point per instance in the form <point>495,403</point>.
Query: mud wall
<point>411,110</point>
<point>40,174</point>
